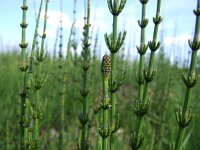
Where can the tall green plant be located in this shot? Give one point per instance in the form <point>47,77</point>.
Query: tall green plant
<point>23,91</point>
<point>105,130</point>
<point>38,81</point>
<point>144,77</point>
<point>62,89</point>
<point>61,32</point>
<point>184,114</point>
<point>63,92</point>
<point>30,71</point>
<point>83,117</point>
<point>114,43</point>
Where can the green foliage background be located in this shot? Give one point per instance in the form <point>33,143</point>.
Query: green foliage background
<point>166,91</point>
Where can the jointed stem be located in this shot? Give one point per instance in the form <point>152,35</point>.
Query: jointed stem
<point>113,75</point>
<point>185,113</point>
<point>85,67</point>
<point>145,77</point>
<point>23,92</point>
<point>35,40</point>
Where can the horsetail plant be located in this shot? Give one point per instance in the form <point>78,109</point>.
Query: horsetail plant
<point>38,81</point>
<point>184,114</point>
<point>23,91</point>
<point>74,42</point>
<point>144,77</point>
<point>105,130</point>
<point>61,30</point>
<point>114,43</point>
<point>62,89</point>
<point>63,93</point>
<point>83,117</point>
<point>30,71</point>
<point>55,44</point>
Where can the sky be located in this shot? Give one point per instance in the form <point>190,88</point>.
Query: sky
<point>177,26</point>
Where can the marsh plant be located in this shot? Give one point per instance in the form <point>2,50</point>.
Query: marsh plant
<point>83,117</point>
<point>23,90</point>
<point>38,80</point>
<point>144,76</point>
<point>105,129</point>
<point>184,113</point>
<point>114,41</point>
<point>43,125</point>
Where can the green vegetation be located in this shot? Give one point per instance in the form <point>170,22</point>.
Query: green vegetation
<point>184,114</point>
<point>98,90</point>
<point>83,117</point>
<point>105,130</point>
<point>114,43</point>
<point>23,91</point>
<point>145,76</point>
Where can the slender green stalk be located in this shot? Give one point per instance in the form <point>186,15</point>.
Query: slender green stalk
<point>35,39</point>
<point>63,93</point>
<point>184,114</point>
<point>145,77</point>
<point>105,130</point>
<point>61,31</point>
<point>74,41</point>
<point>136,137</point>
<point>153,45</point>
<point>55,44</point>
<point>95,47</point>
<point>23,91</point>
<point>63,88</point>
<point>113,78</point>
<point>114,43</point>
<point>160,130</point>
<point>38,81</point>
<point>34,43</point>
<point>83,117</point>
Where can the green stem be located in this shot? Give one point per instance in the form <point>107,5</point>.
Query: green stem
<point>40,59</point>
<point>113,78</point>
<point>63,84</point>
<point>105,121</point>
<point>36,119</point>
<point>63,93</point>
<point>84,108</point>
<point>143,87</point>
<point>188,93</point>
<point>35,40</point>
<point>86,56</point>
<point>23,69</point>
<point>141,68</point>
<point>105,111</point>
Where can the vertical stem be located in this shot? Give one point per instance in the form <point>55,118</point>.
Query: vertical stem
<point>23,69</point>
<point>39,83</point>
<point>105,121</point>
<point>113,78</point>
<point>62,91</point>
<point>86,56</point>
<point>147,77</point>
<point>188,93</point>
<point>35,40</point>
<point>141,68</point>
<point>84,108</point>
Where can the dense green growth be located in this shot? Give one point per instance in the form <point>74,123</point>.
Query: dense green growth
<point>157,123</point>
<point>41,113</point>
